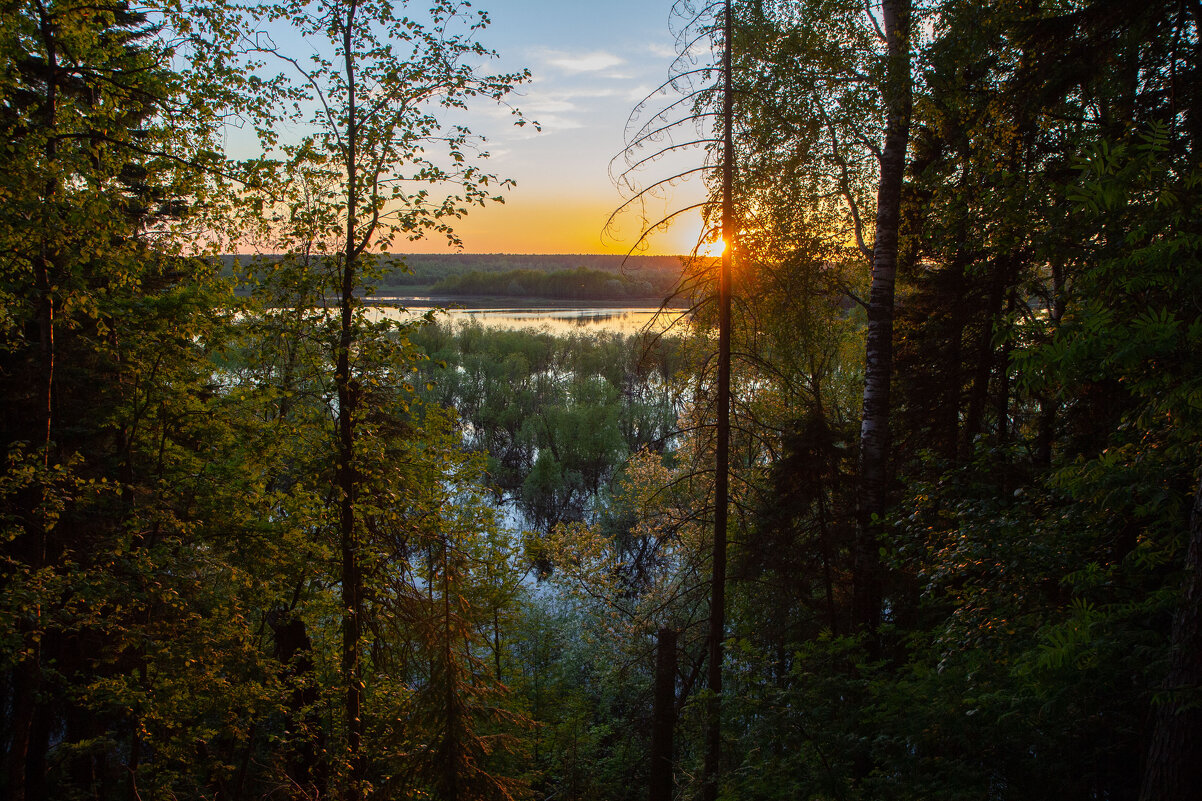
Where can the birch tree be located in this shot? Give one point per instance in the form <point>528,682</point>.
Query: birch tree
<point>370,96</point>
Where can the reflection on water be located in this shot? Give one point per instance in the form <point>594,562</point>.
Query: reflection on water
<point>561,320</point>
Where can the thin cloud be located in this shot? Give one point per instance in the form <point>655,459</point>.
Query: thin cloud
<point>548,105</point>
<point>553,123</point>
<point>617,75</point>
<point>637,94</point>
<point>575,63</point>
<point>541,102</point>
<point>584,92</point>
<point>662,50</point>
<point>552,113</point>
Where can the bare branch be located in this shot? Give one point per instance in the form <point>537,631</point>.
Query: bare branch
<point>868,144</point>
<point>648,230</point>
<point>880,34</point>
<point>317,90</point>
<point>660,184</point>
<point>685,50</point>
<point>845,189</point>
<point>846,290</point>
<point>670,83</point>
<point>645,134</point>
<point>622,178</point>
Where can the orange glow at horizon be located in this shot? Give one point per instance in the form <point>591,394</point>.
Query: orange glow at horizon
<point>559,225</point>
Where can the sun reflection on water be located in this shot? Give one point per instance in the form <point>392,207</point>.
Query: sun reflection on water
<point>562,321</point>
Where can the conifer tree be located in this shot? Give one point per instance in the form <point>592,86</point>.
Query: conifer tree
<point>111,418</point>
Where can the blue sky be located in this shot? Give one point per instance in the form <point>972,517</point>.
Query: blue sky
<point>591,62</point>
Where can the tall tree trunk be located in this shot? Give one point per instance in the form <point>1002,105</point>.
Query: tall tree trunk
<point>711,767</point>
<point>663,716</point>
<point>25,681</point>
<point>352,591</point>
<point>948,417</point>
<point>874,428</point>
<point>44,264</point>
<point>978,393</point>
<point>1048,404</point>
<point>1174,766</point>
<point>452,748</point>
<point>27,674</point>
<point>303,731</point>
<point>1002,399</point>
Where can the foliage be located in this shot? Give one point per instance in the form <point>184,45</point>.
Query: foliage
<point>557,417</point>
<point>254,544</point>
<point>580,284</point>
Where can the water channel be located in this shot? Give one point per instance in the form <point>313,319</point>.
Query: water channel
<point>559,319</point>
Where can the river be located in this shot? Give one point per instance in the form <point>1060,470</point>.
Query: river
<point>557,318</point>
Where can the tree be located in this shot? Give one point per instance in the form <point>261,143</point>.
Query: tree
<point>824,104</point>
<point>874,430</point>
<point>112,421</point>
<point>703,103</point>
<point>371,95</point>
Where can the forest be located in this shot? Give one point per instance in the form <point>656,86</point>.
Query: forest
<point>640,276</point>
<point>578,284</point>
<point>906,506</point>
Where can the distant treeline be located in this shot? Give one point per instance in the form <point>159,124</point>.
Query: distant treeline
<point>444,265</point>
<point>578,284</point>
<point>428,269</point>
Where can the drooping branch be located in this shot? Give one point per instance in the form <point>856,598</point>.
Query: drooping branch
<point>657,186</point>
<point>845,190</point>
<point>625,175</point>
<point>642,138</point>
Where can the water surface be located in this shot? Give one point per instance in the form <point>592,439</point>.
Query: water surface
<point>557,319</point>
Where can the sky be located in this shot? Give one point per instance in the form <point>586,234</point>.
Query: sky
<point>591,61</point>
